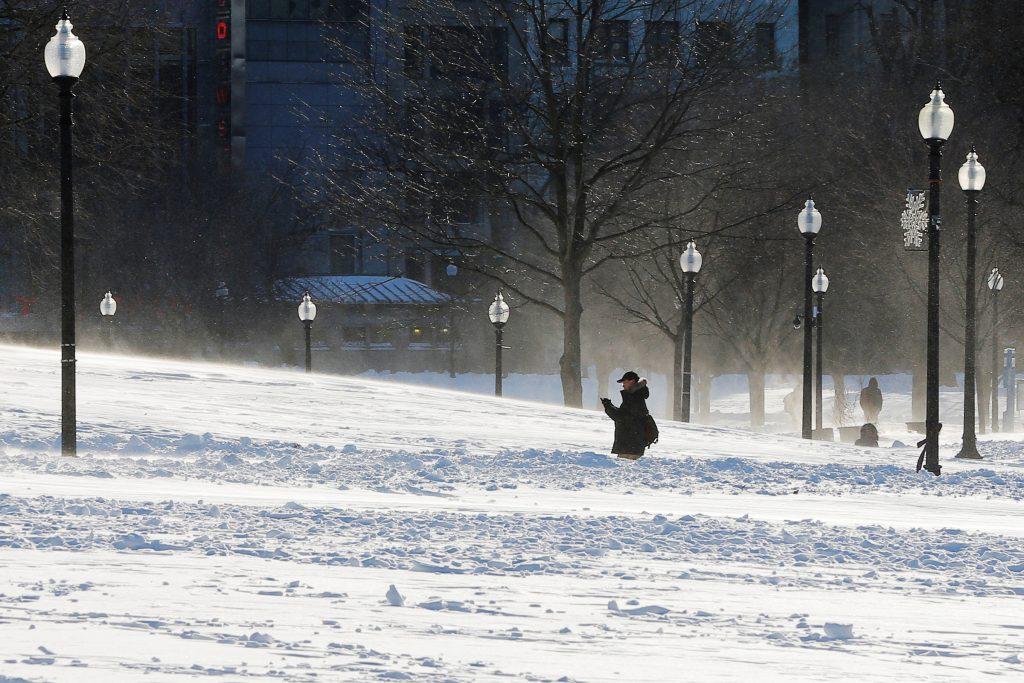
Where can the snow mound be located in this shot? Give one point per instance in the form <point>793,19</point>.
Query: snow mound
<point>838,631</point>
<point>394,598</point>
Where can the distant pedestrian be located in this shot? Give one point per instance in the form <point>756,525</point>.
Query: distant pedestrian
<point>630,416</point>
<point>871,401</point>
<point>868,436</point>
<point>791,404</point>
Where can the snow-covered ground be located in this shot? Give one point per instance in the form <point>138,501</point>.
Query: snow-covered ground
<point>240,524</point>
<point>730,399</point>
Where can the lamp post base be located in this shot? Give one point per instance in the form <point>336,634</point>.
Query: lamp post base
<point>929,458</point>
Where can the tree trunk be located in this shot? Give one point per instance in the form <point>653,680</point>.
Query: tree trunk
<point>755,383</point>
<point>677,373</point>
<point>570,364</point>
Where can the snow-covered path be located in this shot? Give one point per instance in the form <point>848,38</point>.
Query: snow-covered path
<point>247,523</point>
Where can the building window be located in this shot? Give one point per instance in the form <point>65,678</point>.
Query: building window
<point>333,10</point>
<point>419,334</point>
<point>439,278</point>
<point>461,124</point>
<point>442,336</point>
<point>295,30</point>
<point>378,336</point>
<point>344,10</point>
<point>606,106</point>
<point>612,39</point>
<point>415,265</point>
<point>344,254</point>
<point>833,27</point>
<point>374,258</point>
<point>496,128</point>
<point>458,54</point>
<point>558,41</point>
<point>354,335</point>
<point>305,41</point>
<point>662,41</point>
<point>889,30</point>
<point>764,44</point>
<point>464,210</point>
<point>413,52</point>
<point>453,52</point>
<point>712,41</point>
<point>497,52</point>
<point>460,208</point>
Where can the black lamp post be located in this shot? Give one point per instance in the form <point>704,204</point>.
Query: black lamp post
<point>108,307</point>
<point>65,58</point>
<point>498,313</point>
<point>690,261</point>
<point>995,284</point>
<point>452,271</point>
<point>935,122</point>
<point>307,314</point>
<point>972,179</point>
<point>809,222</point>
<point>820,285</point>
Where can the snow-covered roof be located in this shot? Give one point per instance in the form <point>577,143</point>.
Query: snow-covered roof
<point>358,289</point>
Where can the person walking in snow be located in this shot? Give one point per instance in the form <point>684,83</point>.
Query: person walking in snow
<point>791,404</point>
<point>629,417</point>
<point>871,401</point>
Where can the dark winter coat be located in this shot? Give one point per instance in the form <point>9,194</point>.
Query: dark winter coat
<point>629,420</point>
<point>871,400</point>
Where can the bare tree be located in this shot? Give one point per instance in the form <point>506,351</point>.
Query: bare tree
<point>565,120</point>
<point>156,221</point>
<point>654,293</point>
<point>752,321</point>
<point>127,137</point>
<point>875,153</point>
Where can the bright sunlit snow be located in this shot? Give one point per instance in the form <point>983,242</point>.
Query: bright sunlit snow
<point>236,524</point>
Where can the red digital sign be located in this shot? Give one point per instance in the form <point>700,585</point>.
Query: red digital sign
<point>222,72</point>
